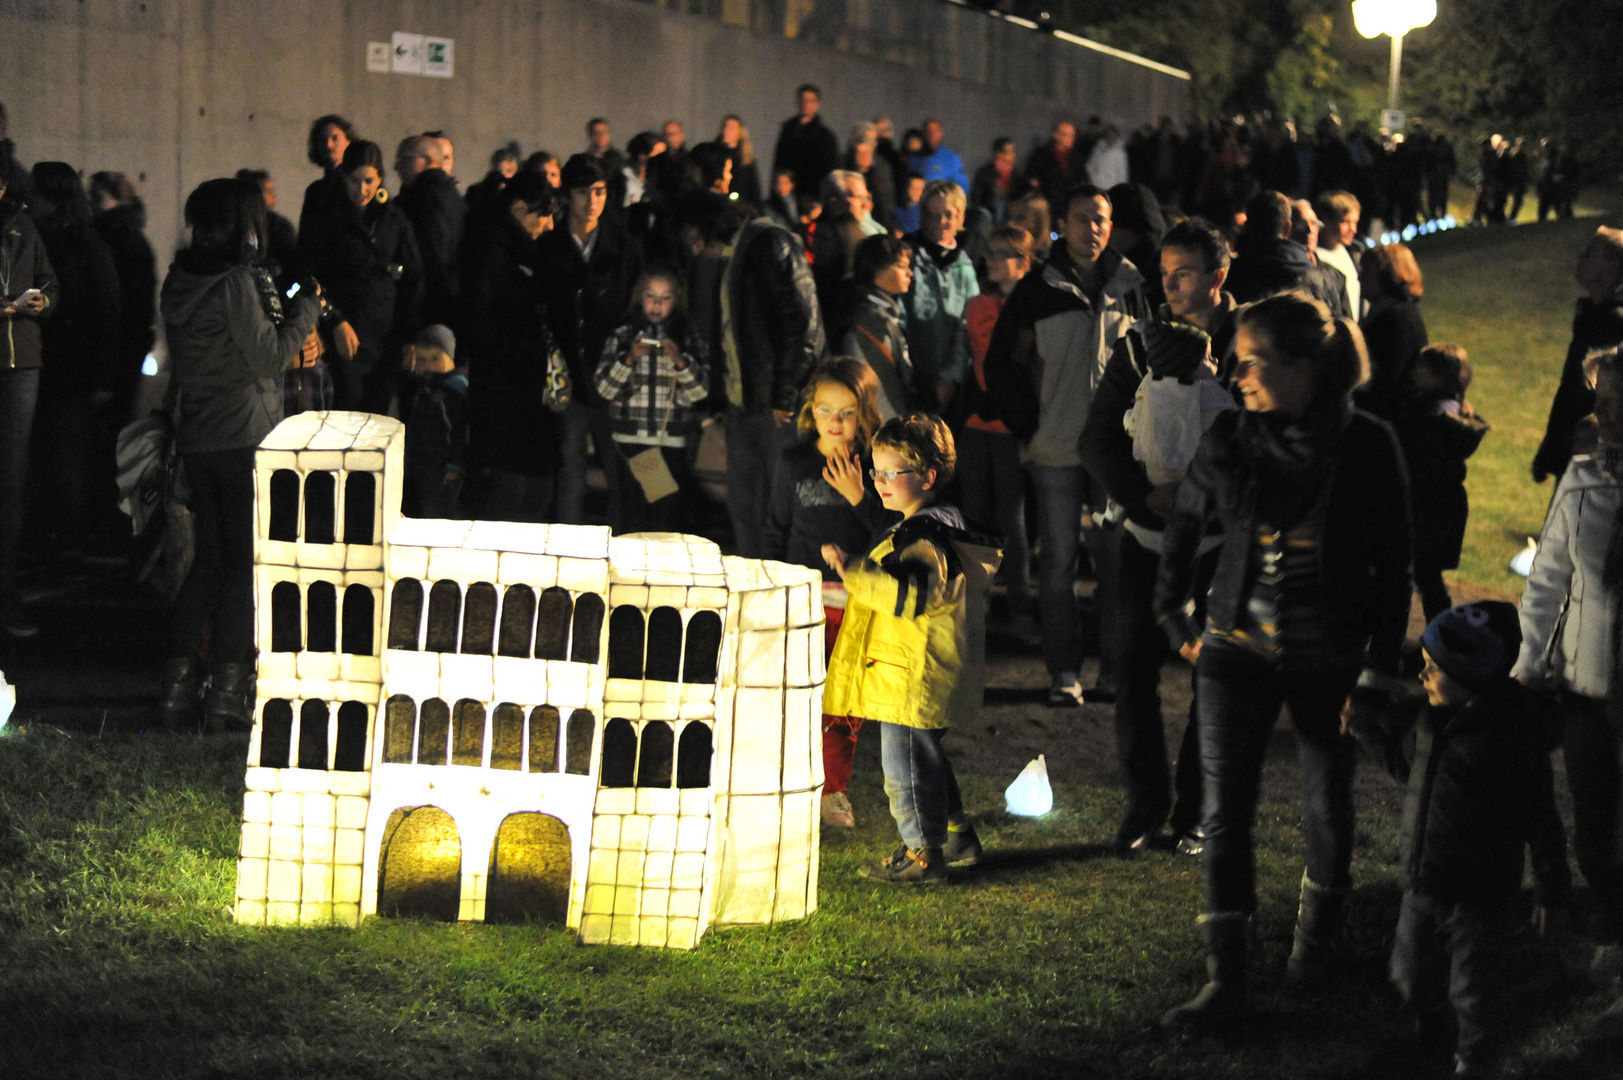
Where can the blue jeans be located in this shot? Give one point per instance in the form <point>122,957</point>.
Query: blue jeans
<point>1062,492</point>
<point>1239,696</point>
<point>1444,956</point>
<point>920,782</point>
<point>755,442</point>
<point>19,394</point>
<point>578,421</point>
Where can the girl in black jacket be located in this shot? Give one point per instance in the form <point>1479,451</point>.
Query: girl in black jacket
<point>230,336</point>
<point>364,254</point>
<point>1311,585</point>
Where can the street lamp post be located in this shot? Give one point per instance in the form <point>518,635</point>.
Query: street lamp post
<point>1393,18</point>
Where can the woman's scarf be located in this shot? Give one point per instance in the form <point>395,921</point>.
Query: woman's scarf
<point>1292,445</point>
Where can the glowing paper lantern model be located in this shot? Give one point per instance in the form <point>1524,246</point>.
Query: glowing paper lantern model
<point>495,721</point>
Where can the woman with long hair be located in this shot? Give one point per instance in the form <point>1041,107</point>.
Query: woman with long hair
<point>1393,328</point>
<point>1309,600</point>
<point>230,336</point>
<point>364,252</point>
<point>746,182</point>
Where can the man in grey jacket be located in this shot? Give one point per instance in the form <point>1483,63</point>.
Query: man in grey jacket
<point>1052,341</point>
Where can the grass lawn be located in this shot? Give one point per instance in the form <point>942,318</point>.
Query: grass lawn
<point>1507,295</point>
<point>118,860</point>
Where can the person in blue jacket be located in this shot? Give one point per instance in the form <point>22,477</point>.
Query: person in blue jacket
<point>937,161</point>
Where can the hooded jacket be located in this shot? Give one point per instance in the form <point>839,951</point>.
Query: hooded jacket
<point>912,646</point>
<point>1564,599</point>
<point>226,353</point>
<point>23,266</point>
<point>1436,444</point>
<point>1479,794</point>
<point>942,288</point>
<point>1050,349</point>
<point>877,337</point>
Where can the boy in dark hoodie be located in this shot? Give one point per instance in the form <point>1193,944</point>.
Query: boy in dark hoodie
<point>1438,431</point>
<point>1479,793</point>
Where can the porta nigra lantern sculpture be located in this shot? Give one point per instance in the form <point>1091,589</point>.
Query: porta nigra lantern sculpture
<point>494,721</point>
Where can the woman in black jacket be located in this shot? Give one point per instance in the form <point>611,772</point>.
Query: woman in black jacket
<point>230,336</point>
<point>1312,585</point>
<point>516,437</point>
<point>363,252</point>
<point>1393,328</point>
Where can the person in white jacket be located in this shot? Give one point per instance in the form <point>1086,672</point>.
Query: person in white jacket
<point>1571,635</point>
<point>1107,164</point>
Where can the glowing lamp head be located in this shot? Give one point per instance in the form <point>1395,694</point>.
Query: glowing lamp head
<point>1030,795</point>
<point>1394,17</point>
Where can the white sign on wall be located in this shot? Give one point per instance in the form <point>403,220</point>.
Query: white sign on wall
<point>377,57</point>
<point>439,57</point>
<point>406,53</point>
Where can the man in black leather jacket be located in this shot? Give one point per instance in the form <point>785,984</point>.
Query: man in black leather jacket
<point>771,337</point>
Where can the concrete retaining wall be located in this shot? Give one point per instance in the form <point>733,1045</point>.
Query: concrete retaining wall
<point>174,92</point>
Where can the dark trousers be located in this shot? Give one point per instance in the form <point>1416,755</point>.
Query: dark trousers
<point>64,437</point>
<point>1428,581</point>
<point>755,442</point>
<point>1443,956</point>
<point>1594,757</point>
<point>511,496</point>
<point>637,514</point>
<point>220,587</point>
<point>993,493</point>
<point>1141,748</point>
<point>581,421</point>
<point>19,396</point>
<point>1239,697</point>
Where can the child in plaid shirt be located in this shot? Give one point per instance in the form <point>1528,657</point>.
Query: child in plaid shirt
<point>652,374</point>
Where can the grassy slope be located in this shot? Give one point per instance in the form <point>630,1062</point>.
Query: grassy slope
<point>117,865</point>
<point>1507,296</point>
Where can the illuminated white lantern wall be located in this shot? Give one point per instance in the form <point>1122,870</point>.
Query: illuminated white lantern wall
<point>527,721</point>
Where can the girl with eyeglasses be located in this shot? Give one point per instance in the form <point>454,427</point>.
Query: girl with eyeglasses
<point>820,496</point>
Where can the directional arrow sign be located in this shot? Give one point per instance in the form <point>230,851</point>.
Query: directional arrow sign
<point>406,53</point>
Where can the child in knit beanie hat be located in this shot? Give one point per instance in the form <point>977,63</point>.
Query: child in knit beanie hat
<point>1480,794</point>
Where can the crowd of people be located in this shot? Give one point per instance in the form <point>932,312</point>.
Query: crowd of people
<point>1224,403</point>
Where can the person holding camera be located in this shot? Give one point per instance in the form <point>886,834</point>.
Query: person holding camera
<point>230,335</point>
<point>653,374</point>
<point>364,252</point>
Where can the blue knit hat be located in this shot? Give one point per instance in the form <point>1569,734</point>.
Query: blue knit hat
<point>1475,644</point>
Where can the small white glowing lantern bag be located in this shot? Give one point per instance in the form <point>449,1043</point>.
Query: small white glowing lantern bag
<point>8,701</point>
<point>1030,795</point>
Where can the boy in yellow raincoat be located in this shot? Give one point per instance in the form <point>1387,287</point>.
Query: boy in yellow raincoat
<point>911,654</point>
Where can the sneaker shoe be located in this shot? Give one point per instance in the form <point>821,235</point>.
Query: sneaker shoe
<point>1066,693</point>
<point>1191,842</point>
<point>837,810</point>
<point>963,847</point>
<point>924,866</point>
<point>16,623</point>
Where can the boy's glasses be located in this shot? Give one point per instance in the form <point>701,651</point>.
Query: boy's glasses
<point>889,475</point>
<point>823,412</point>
